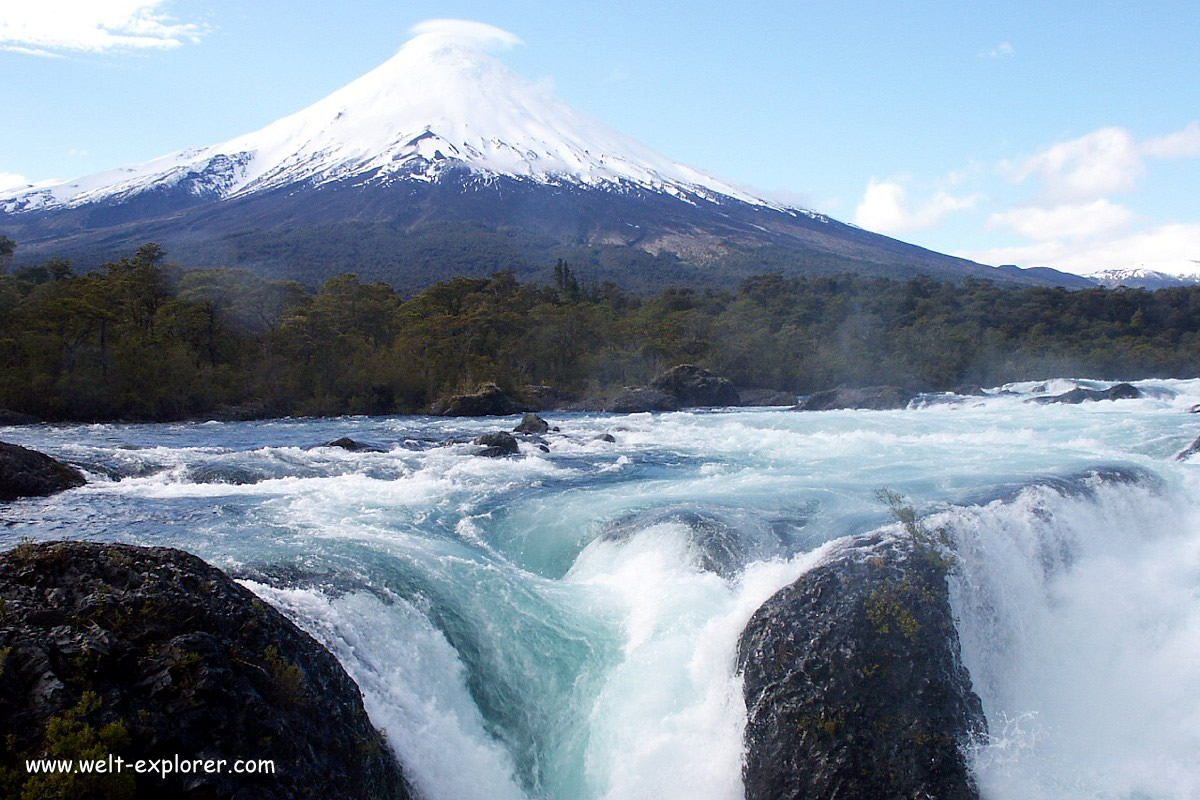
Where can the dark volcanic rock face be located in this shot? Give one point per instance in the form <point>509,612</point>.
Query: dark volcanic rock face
<point>634,401</point>
<point>694,386</point>
<point>1122,391</point>
<point>1191,450</point>
<point>149,653</point>
<point>532,423</point>
<point>488,401</point>
<point>766,397</point>
<point>854,685</point>
<point>28,473</point>
<point>874,398</point>
<point>497,444</point>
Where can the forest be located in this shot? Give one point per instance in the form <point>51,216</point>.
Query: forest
<point>143,339</point>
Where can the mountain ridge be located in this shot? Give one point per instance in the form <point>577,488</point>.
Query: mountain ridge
<point>443,134</point>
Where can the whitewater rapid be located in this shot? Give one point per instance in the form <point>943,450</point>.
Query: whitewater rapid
<point>564,625</point>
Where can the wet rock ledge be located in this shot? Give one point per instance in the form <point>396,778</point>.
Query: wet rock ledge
<point>149,653</point>
<point>28,473</point>
<point>854,686</point>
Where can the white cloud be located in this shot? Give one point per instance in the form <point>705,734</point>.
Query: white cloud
<point>1081,221</point>
<point>1002,50</point>
<point>1181,144</point>
<point>478,34</point>
<point>10,180</point>
<point>886,208</point>
<point>1102,162</point>
<point>50,27</point>
<point>1171,248</point>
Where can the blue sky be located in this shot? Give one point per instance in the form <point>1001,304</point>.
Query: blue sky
<point>1064,134</point>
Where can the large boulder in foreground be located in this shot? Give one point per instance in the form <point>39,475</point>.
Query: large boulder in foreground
<point>873,398</point>
<point>693,386</point>
<point>149,653</point>
<point>854,686</point>
<point>28,473</point>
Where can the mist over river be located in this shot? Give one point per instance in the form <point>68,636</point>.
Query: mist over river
<point>564,624</point>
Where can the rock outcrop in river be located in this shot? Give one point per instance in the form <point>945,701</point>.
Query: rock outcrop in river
<point>28,473</point>
<point>873,398</point>
<point>1121,391</point>
<point>693,386</point>
<point>854,686</point>
<point>150,653</point>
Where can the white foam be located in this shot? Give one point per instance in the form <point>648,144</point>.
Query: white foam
<point>669,719</point>
<point>414,688</point>
<point>1080,626</point>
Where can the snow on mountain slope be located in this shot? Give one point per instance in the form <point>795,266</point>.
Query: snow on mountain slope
<point>439,103</point>
<point>1139,278</point>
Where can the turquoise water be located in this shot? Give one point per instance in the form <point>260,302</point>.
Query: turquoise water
<point>564,624</point>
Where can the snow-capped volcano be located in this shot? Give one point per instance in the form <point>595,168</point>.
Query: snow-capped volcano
<point>440,162</point>
<point>440,102</point>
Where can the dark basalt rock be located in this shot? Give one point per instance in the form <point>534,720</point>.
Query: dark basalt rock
<point>497,444</point>
<point>532,423</point>
<point>634,401</point>
<point>223,473</point>
<point>28,473</point>
<point>693,386</point>
<point>723,542</point>
<point>488,401</point>
<point>1191,450</point>
<point>605,437</point>
<point>346,443</point>
<point>16,418</point>
<point>873,398</point>
<point>766,397</point>
<point>1122,391</point>
<point>970,390</point>
<point>149,653</point>
<point>853,682</point>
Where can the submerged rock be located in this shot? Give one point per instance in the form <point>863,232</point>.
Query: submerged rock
<point>532,423</point>
<point>872,398</point>
<point>693,386</point>
<point>853,682</point>
<point>1191,450</point>
<point>1122,391</point>
<point>497,444</point>
<point>28,473</point>
<point>150,653</point>
<point>346,443</point>
<point>724,541</point>
<point>224,473</point>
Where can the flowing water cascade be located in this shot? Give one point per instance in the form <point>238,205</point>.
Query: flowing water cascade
<point>564,624</point>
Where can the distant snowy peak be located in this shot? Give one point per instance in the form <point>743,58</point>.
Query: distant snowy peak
<point>1138,278</point>
<point>437,106</point>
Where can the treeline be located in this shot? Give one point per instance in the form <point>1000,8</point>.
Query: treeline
<point>142,339</point>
